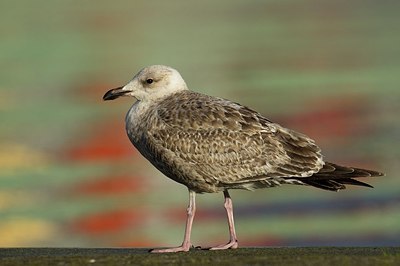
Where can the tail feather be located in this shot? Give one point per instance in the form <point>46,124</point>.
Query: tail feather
<point>334,177</point>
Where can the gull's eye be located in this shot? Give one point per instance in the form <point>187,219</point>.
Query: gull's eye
<point>149,81</point>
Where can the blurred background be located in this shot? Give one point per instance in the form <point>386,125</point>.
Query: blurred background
<point>70,177</point>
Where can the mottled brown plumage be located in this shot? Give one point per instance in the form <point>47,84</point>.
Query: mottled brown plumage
<point>211,144</point>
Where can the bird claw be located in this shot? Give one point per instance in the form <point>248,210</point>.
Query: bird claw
<point>233,244</point>
<point>182,248</point>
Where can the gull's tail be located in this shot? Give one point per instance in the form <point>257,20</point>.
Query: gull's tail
<point>334,177</point>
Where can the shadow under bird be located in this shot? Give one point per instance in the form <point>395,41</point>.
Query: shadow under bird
<point>211,145</point>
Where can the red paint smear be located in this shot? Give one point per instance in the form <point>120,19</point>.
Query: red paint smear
<point>105,142</point>
<point>336,118</point>
<point>94,90</point>
<point>109,222</point>
<point>109,185</point>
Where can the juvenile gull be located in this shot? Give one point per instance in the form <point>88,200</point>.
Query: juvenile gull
<point>212,145</point>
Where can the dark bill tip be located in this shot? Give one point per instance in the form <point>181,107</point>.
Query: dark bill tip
<point>114,94</point>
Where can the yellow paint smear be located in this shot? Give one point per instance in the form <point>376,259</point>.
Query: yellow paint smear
<point>21,231</point>
<point>15,156</point>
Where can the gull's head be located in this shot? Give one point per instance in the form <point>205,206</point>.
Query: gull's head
<point>151,83</point>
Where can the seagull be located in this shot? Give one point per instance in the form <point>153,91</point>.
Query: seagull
<point>211,145</point>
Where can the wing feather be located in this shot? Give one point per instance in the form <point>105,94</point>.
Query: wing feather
<point>227,144</point>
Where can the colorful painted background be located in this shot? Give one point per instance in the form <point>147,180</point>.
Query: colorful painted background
<point>69,176</point>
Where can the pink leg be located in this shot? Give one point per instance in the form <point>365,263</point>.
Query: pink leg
<point>233,243</point>
<point>189,222</point>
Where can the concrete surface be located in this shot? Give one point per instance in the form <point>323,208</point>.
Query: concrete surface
<point>242,256</point>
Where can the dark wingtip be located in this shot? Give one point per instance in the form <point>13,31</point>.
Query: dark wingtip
<point>334,177</point>
<point>368,173</point>
<point>354,182</point>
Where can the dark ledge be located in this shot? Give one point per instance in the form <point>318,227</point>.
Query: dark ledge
<point>243,256</point>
